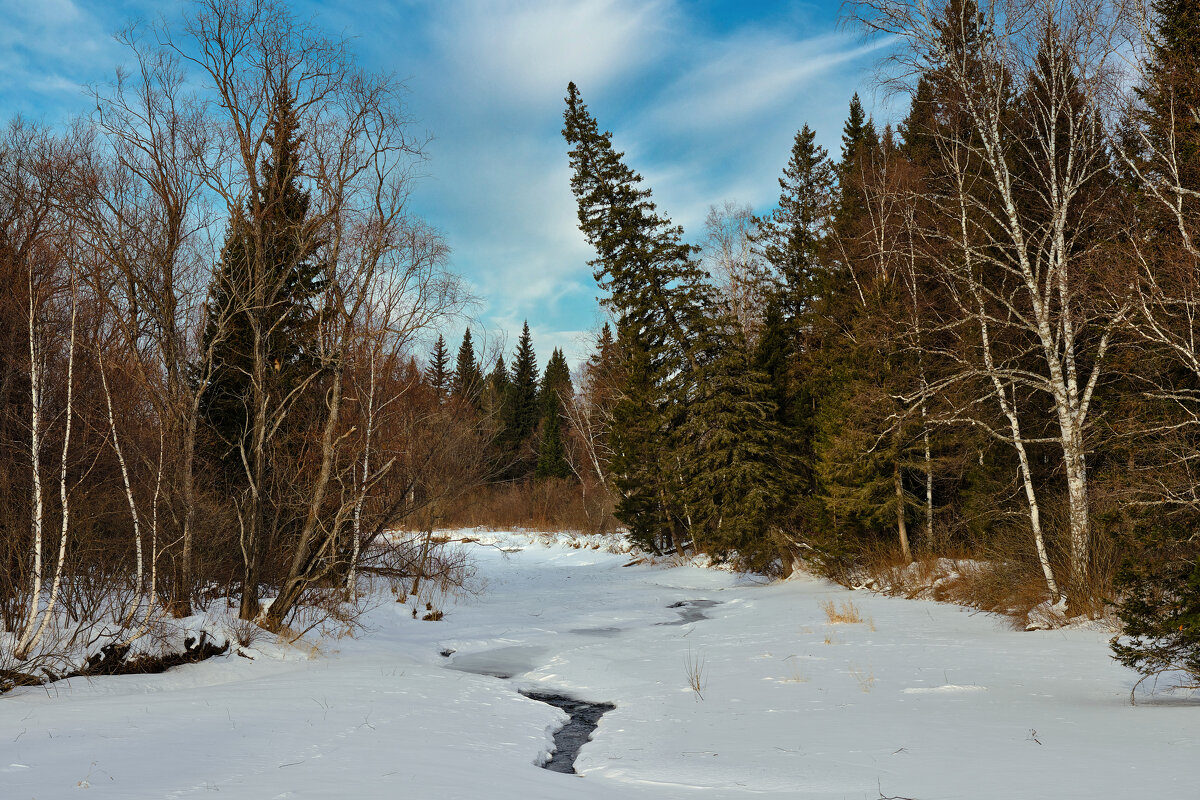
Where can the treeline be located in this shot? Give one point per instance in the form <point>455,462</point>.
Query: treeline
<point>971,333</point>
<point>212,289</point>
<point>544,455</point>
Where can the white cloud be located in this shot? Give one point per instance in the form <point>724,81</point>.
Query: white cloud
<point>525,52</point>
<point>748,76</point>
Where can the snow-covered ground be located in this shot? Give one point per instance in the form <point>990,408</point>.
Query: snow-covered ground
<point>919,700</point>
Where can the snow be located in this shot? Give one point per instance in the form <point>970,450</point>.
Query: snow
<point>921,700</point>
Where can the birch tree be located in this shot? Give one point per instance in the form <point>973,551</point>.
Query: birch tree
<point>1029,178</point>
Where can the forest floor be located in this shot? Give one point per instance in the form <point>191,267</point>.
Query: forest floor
<point>917,700</point>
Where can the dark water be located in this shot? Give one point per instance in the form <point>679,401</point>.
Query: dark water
<point>576,733</point>
<point>690,611</point>
<point>602,632</point>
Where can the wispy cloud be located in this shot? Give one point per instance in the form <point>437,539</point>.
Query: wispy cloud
<point>703,97</point>
<point>521,53</point>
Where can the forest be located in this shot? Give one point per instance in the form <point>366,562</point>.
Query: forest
<point>967,338</point>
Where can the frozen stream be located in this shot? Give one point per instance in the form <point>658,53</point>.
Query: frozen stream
<point>921,700</point>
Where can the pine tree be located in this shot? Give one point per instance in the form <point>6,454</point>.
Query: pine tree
<point>467,383</point>
<point>792,238</point>
<point>859,140</point>
<point>552,456</point>
<point>640,465</point>
<point>1171,100</point>
<point>262,333</point>
<point>436,374</point>
<point>654,285</point>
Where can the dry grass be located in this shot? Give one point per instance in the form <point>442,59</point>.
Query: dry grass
<point>556,504</point>
<point>794,673</point>
<point>845,614</point>
<point>694,666</point>
<point>865,678</point>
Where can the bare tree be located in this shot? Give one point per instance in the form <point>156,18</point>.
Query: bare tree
<point>741,275</point>
<point>148,220</point>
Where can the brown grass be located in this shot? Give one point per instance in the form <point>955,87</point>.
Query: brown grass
<point>548,505</point>
<point>845,614</point>
<point>865,678</point>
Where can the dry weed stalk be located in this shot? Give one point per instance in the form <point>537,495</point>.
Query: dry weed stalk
<point>694,666</point>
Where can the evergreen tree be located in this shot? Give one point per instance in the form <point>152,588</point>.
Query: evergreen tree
<point>658,293</point>
<point>859,140</point>
<point>436,374</point>
<point>555,389</point>
<point>556,384</point>
<point>1159,583</point>
<point>654,285</point>
<point>640,465</point>
<point>605,357</point>
<point>1160,602</point>
<point>737,459</point>
<point>467,383</point>
<point>792,238</point>
<point>262,333</point>
<point>497,389</point>
<point>520,412</point>
<point>1171,100</point>
<point>552,457</point>
<point>263,299</point>
<point>525,389</point>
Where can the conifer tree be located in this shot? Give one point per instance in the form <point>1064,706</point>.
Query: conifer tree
<point>520,412</point>
<point>497,389</point>
<point>1159,583</point>
<point>263,299</point>
<point>658,293</point>
<point>467,383</point>
<point>552,456</point>
<point>654,285</point>
<point>555,390</point>
<point>739,465</point>
<point>556,384</point>
<point>525,389</point>
<point>262,333</point>
<point>792,237</point>
<point>437,374</point>
<point>859,140</point>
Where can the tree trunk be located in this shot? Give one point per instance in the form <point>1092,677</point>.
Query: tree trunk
<point>901,525</point>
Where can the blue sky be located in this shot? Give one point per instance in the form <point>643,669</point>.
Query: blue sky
<point>704,97</point>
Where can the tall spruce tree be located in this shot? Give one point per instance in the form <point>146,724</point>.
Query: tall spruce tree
<point>263,297</point>
<point>556,384</point>
<point>555,390</point>
<point>657,291</point>
<point>737,460</point>
<point>520,412</point>
<point>437,374</point>
<point>467,383</point>
<point>792,238</point>
<point>497,389</point>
